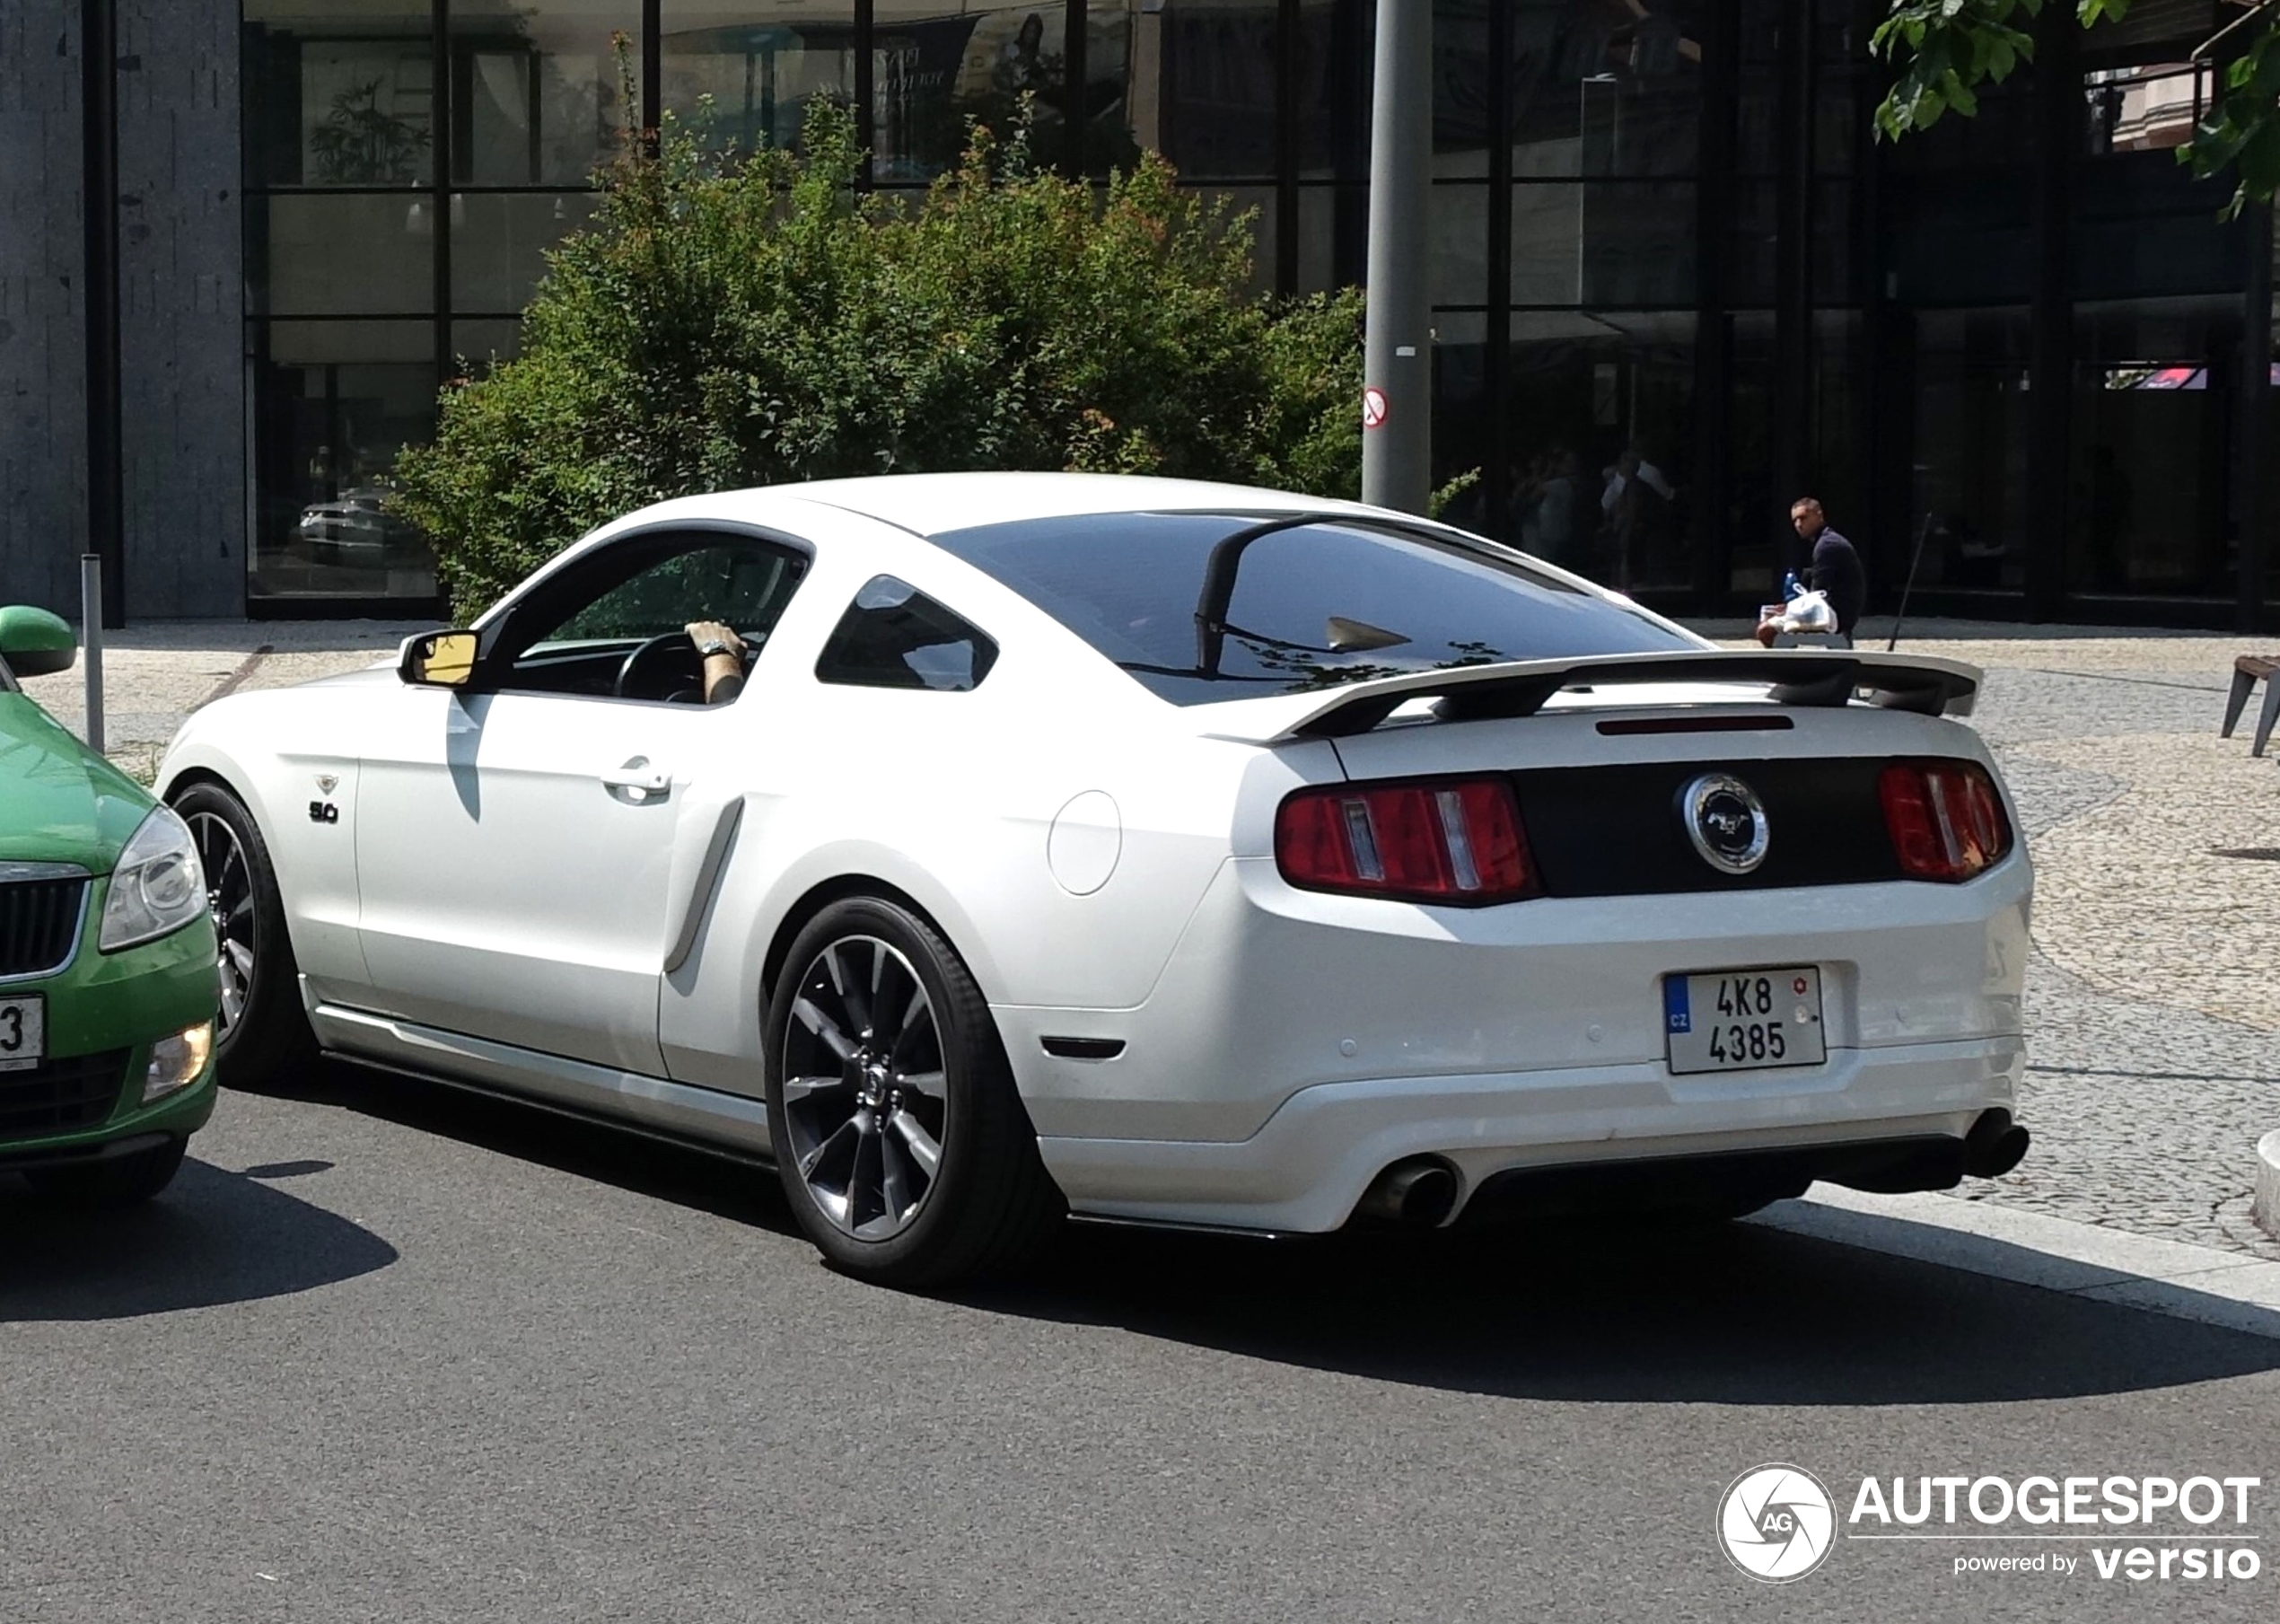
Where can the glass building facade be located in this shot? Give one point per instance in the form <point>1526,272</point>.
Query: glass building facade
<point>1676,282</point>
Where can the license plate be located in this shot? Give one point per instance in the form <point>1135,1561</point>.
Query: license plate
<point>23,1031</point>
<point>1743,1020</point>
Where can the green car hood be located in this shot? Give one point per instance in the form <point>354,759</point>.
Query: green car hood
<point>59,801</point>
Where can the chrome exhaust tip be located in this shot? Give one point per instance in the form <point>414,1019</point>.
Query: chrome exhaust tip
<point>1994,1145</point>
<point>1416,1192</point>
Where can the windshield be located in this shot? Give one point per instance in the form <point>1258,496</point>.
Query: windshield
<point>1212,606</point>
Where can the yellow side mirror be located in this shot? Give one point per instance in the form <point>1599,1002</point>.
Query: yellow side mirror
<point>445,659</point>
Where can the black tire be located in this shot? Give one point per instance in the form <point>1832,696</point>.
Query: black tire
<point>988,1205</point>
<point>265,1040</point>
<point>120,1182</point>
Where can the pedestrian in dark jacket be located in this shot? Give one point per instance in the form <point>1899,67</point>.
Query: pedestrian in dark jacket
<point>1836,569</point>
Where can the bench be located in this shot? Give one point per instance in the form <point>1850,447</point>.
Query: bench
<point>2247,670</point>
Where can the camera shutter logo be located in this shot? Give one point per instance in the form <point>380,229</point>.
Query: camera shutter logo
<point>1777,1523</point>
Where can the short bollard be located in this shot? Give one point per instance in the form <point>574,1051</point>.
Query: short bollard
<point>91,639</point>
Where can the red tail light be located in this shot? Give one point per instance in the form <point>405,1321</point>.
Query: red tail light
<point>1945,818</point>
<point>1456,840</point>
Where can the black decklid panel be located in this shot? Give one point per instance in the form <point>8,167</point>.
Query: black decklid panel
<point>1617,831</point>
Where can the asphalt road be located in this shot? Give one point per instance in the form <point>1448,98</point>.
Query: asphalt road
<point>386,1352</point>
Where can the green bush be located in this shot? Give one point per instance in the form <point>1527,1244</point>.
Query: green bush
<point>754,320</point>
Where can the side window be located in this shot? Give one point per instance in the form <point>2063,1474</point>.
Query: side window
<point>745,584</point>
<point>894,635</point>
<point>581,636</point>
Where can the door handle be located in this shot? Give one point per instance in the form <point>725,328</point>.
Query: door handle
<point>639,777</point>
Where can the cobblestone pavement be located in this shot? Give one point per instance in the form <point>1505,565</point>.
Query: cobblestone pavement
<point>2154,1036</point>
<point>156,673</point>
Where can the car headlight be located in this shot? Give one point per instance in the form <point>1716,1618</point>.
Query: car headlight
<point>177,1061</point>
<point>157,887</point>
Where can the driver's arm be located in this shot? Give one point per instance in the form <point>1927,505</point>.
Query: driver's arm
<point>723,653</point>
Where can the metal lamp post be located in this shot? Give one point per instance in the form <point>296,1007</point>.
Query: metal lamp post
<point>1396,400</point>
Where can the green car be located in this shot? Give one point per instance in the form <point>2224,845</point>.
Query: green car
<point>108,987</point>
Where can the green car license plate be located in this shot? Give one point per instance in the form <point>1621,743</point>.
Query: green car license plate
<point>1743,1020</point>
<point>23,1031</point>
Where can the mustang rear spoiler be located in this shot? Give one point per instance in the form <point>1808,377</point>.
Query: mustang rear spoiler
<point>1520,688</point>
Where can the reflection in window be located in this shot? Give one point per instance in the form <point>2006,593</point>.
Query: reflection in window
<point>1608,87</point>
<point>1969,490</point>
<point>1458,227</point>
<point>499,242</point>
<point>1464,90</point>
<point>340,100</point>
<point>2150,108</point>
<point>1330,94</point>
<point>1105,99</point>
<point>1627,242</point>
<point>1600,406</point>
<point>1216,78</point>
<point>343,253</point>
<point>534,89</point>
<point>743,75</point>
<point>337,401</point>
<point>1333,236</point>
<point>2149,499</point>
<point>936,63</point>
<point>1463,428</point>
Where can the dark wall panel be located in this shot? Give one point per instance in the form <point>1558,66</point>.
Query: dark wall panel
<point>180,326</point>
<point>43,403</point>
<point>181,330</point>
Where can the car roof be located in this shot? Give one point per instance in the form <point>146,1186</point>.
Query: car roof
<point>925,505</point>
<point>929,504</point>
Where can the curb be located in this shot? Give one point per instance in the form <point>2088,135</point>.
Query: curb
<point>2267,1209</point>
<point>2187,1282</point>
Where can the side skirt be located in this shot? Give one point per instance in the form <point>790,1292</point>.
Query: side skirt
<point>706,1118</point>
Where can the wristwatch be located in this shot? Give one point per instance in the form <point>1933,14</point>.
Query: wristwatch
<point>714,645</point>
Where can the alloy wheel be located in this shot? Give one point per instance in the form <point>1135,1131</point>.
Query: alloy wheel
<point>865,1104</point>
<point>229,899</point>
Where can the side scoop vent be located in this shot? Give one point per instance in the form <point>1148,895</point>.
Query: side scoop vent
<point>1082,1049</point>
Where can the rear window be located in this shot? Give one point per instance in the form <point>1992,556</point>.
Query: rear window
<point>1222,606</point>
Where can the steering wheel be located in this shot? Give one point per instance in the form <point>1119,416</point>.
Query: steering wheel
<point>653,659</point>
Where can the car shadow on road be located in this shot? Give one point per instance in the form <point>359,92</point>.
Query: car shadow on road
<point>213,1237</point>
<point>726,1187</point>
<point>1579,1311</point>
<point>1625,1314</point>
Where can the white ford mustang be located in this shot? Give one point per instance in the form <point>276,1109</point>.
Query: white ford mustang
<point>1137,848</point>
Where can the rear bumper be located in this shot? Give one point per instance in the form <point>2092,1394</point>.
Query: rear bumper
<point>1305,1169</point>
<point>1274,992</point>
